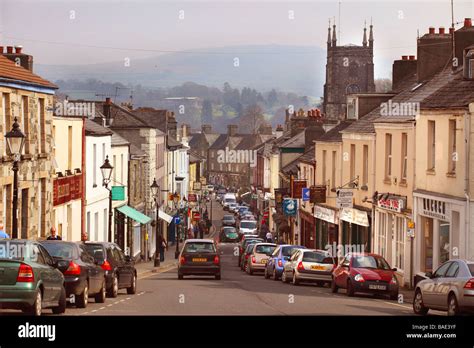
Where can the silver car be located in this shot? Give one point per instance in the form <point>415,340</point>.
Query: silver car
<point>309,265</point>
<point>259,256</point>
<point>450,288</point>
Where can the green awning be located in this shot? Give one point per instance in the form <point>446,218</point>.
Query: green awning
<point>134,214</point>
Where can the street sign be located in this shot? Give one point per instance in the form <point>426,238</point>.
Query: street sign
<point>318,194</point>
<point>298,186</point>
<point>118,193</point>
<point>344,198</point>
<point>305,194</point>
<point>290,206</point>
<point>177,220</point>
<point>196,215</point>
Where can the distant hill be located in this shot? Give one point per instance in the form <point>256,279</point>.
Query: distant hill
<point>298,69</point>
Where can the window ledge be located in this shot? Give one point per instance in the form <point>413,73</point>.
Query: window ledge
<point>403,183</point>
<point>387,181</point>
<point>43,155</point>
<point>451,174</point>
<point>26,157</point>
<point>430,172</point>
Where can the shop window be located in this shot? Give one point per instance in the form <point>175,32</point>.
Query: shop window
<point>444,245</point>
<point>427,251</point>
<point>382,234</point>
<point>399,242</point>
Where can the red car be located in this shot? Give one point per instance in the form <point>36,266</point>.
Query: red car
<point>367,273</point>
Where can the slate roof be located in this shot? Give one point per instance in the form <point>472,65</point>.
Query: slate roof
<point>296,141</point>
<point>123,118</point>
<point>307,156</point>
<point>334,135</point>
<point>153,117</point>
<point>195,157</point>
<point>457,93</point>
<point>10,71</point>
<point>117,140</point>
<point>95,129</point>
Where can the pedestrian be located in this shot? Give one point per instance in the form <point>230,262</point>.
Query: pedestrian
<point>53,235</point>
<point>269,237</point>
<point>201,230</point>
<point>162,246</point>
<point>3,234</point>
<point>196,230</point>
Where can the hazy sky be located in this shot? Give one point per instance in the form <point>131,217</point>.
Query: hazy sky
<point>84,32</point>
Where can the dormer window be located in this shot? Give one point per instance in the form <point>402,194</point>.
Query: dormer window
<point>469,64</point>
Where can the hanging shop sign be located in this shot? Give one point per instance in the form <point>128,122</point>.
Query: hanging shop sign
<point>396,204</point>
<point>318,194</point>
<point>344,198</point>
<point>325,214</point>
<point>290,206</point>
<point>354,216</point>
<point>298,186</point>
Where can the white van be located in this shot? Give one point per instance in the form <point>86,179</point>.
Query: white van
<point>228,198</point>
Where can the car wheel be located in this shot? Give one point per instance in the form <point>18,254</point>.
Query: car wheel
<point>218,277</point>
<point>61,308</point>
<point>180,276</point>
<point>274,276</point>
<point>113,291</point>
<point>101,295</point>
<point>418,305</point>
<point>284,278</point>
<point>350,289</point>
<point>37,308</point>
<point>83,298</point>
<point>266,274</point>
<point>453,307</point>
<point>132,290</point>
<point>295,279</point>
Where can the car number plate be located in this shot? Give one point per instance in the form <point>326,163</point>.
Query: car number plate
<point>264,261</point>
<point>196,259</point>
<point>318,267</point>
<point>377,287</point>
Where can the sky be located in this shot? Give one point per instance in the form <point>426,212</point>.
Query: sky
<point>87,32</point>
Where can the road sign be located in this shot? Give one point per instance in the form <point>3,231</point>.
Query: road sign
<point>290,206</point>
<point>196,215</point>
<point>344,198</point>
<point>305,194</point>
<point>177,220</point>
<point>118,193</point>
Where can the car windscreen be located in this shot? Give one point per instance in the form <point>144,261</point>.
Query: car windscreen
<point>314,256</point>
<point>61,250</point>
<point>199,247</point>
<point>265,249</point>
<point>18,251</point>
<point>96,250</point>
<point>228,217</point>
<point>471,268</point>
<point>369,262</point>
<point>288,251</point>
<point>229,200</point>
<point>248,224</point>
<point>251,241</point>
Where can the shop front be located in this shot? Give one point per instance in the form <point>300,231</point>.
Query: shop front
<point>391,239</point>
<point>439,233</point>
<point>354,229</point>
<point>308,232</point>
<point>327,228</point>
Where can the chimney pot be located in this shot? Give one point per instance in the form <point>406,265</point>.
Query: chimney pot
<point>404,57</point>
<point>431,30</point>
<point>441,30</point>
<point>10,49</point>
<point>467,23</point>
<point>108,101</point>
<point>451,30</point>
<point>18,49</point>
<point>412,58</point>
<point>1,49</point>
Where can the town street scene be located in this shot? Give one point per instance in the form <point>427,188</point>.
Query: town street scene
<point>238,159</point>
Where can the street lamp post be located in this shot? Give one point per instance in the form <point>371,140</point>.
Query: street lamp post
<point>155,190</point>
<point>15,142</point>
<point>106,170</point>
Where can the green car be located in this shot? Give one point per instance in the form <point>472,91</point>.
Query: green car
<point>29,280</point>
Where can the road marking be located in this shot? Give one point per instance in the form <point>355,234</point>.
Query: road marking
<point>116,302</point>
<point>93,311</point>
<point>101,308</point>
<point>128,298</point>
<point>396,304</point>
<point>110,305</point>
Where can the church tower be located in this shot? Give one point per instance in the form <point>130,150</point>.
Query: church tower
<point>349,69</point>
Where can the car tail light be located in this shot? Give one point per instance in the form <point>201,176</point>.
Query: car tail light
<point>300,266</point>
<point>25,274</point>
<point>106,266</point>
<point>254,260</point>
<point>73,269</point>
<point>182,260</point>
<point>358,278</point>
<point>216,260</point>
<point>280,264</point>
<point>247,256</point>
<point>469,284</point>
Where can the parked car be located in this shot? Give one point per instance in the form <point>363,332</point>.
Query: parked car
<point>243,245</point>
<point>309,265</point>
<point>450,288</point>
<point>258,258</point>
<point>367,273</point>
<point>242,210</point>
<point>228,199</point>
<point>228,220</point>
<point>248,216</point>
<point>279,258</point>
<point>248,227</point>
<point>246,253</point>
<point>83,276</point>
<point>199,257</point>
<point>30,280</point>
<point>228,235</point>
<point>120,272</point>
<point>232,207</point>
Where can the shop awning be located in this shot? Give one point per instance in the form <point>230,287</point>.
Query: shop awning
<point>163,216</point>
<point>354,216</point>
<point>134,214</point>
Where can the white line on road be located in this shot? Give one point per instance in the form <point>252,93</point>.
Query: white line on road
<point>101,308</point>
<point>109,305</point>
<point>128,298</point>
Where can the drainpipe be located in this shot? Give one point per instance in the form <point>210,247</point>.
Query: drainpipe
<point>467,142</point>
<point>83,170</point>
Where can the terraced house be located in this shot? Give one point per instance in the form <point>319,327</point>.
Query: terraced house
<point>28,98</point>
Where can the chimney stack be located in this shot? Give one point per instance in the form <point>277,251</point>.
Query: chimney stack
<point>18,57</point>
<point>404,57</point>
<point>18,49</point>
<point>411,57</point>
<point>206,128</point>
<point>1,49</point>
<point>9,49</point>
<point>431,30</point>
<point>467,22</point>
<point>402,69</point>
<point>433,51</point>
<point>232,130</point>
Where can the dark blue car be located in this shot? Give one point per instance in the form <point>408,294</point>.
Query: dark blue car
<point>280,256</point>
